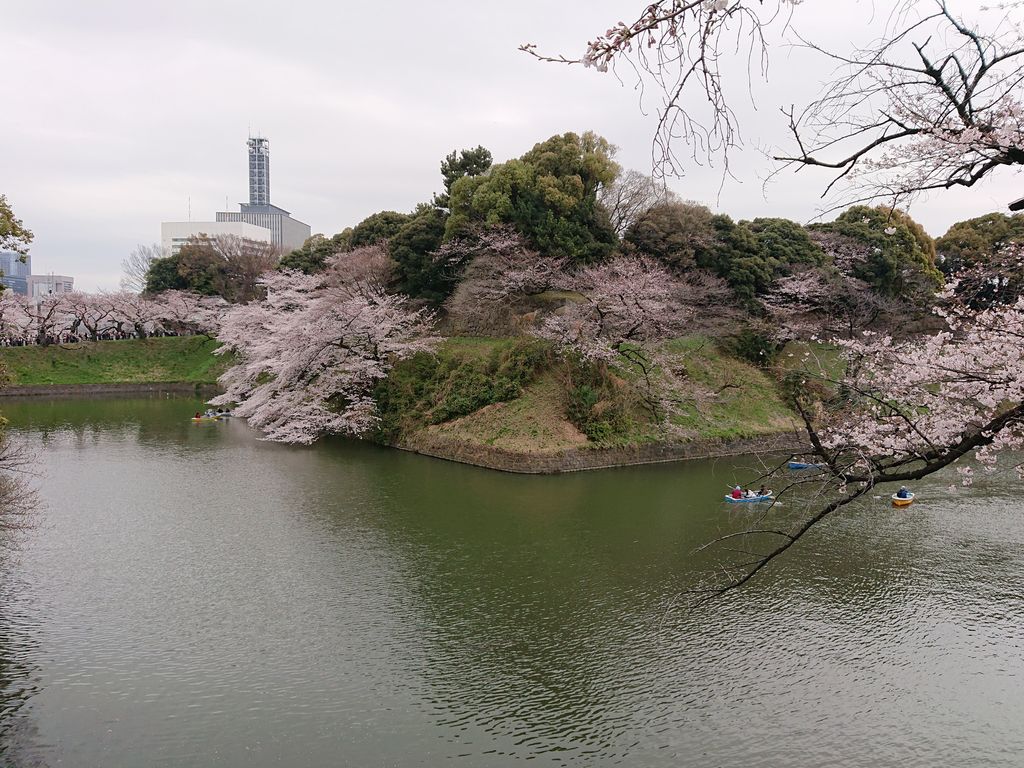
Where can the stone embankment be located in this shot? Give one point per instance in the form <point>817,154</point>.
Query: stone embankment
<point>579,459</point>
<point>85,390</point>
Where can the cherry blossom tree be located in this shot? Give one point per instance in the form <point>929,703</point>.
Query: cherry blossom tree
<point>628,307</point>
<point>499,274</point>
<point>901,411</point>
<point>11,318</point>
<point>76,316</point>
<point>91,313</point>
<point>311,352</point>
<point>678,46</point>
<point>43,319</point>
<point>184,312</point>
<point>365,267</point>
<point>134,314</point>
<point>626,302</point>
<point>831,301</point>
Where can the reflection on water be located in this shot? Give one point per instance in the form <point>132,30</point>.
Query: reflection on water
<point>18,672</point>
<point>196,597</point>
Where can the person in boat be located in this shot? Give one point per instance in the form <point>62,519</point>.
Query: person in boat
<point>749,493</point>
<point>762,491</point>
<point>903,493</point>
<point>198,415</point>
<point>737,492</point>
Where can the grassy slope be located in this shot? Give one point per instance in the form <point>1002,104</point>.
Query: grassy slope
<point>169,359</point>
<point>727,398</point>
<point>724,399</point>
<point>534,422</point>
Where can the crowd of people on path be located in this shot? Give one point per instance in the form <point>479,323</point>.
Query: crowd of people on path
<point>30,340</point>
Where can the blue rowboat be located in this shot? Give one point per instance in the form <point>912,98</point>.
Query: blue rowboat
<point>804,465</point>
<point>751,500</point>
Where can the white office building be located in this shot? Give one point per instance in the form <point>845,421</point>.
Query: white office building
<point>174,234</point>
<point>41,286</point>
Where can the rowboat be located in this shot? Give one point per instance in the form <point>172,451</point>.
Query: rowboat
<point>752,499</point>
<point>205,418</point>
<point>898,501</point>
<point>804,465</point>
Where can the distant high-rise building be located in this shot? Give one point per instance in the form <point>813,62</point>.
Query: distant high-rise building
<point>288,233</point>
<point>15,273</point>
<point>259,171</point>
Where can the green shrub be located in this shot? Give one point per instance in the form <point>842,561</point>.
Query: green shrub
<point>433,389</point>
<point>595,404</point>
<point>753,345</point>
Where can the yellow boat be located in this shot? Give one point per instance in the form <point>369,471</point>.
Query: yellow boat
<point>898,501</point>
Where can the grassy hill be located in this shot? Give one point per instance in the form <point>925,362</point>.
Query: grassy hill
<point>159,360</point>
<point>516,395</point>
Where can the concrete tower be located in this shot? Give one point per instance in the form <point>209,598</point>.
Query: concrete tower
<point>259,171</point>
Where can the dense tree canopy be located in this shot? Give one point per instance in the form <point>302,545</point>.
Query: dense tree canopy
<point>749,255</point>
<point>972,242</point>
<point>673,233</point>
<point>900,256</point>
<point>163,275</point>
<point>417,273</point>
<point>377,227</point>
<point>312,256</point>
<point>549,195</point>
<point>467,162</point>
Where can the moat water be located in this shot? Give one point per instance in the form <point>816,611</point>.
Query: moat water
<point>192,596</point>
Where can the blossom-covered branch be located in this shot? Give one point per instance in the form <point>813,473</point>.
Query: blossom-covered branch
<point>900,412</point>
<point>680,44</point>
<point>935,105</point>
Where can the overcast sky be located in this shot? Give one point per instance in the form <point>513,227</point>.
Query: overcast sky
<point>120,113</point>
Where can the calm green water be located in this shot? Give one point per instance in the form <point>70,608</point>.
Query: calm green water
<point>192,596</point>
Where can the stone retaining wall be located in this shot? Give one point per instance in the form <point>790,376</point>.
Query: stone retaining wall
<point>84,390</point>
<point>577,460</point>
